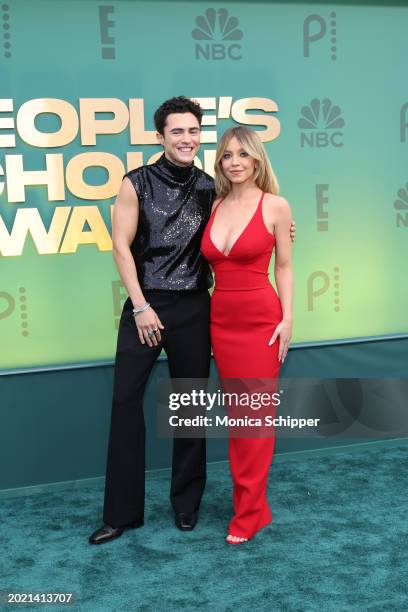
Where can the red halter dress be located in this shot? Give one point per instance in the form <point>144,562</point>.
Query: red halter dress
<point>245,310</point>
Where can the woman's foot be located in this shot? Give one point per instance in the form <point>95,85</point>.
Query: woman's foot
<point>230,539</point>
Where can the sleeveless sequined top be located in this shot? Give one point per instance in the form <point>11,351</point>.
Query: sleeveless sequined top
<point>174,208</point>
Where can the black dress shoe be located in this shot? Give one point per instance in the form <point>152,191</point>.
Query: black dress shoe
<point>107,533</point>
<point>186,521</point>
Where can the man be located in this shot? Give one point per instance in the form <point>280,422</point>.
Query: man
<point>159,217</point>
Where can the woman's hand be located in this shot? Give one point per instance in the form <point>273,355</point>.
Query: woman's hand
<point>148,322</point>
<point>284,331</point>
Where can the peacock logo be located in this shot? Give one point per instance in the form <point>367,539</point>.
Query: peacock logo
<point>207,25</point>
<point>317,111</point>
<point>222,28</point>
<point>401,206</point>
<point>319,116</point>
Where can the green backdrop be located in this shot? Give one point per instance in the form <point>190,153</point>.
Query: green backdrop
<point>336,76</point>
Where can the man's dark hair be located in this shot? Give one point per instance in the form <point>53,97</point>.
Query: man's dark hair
<point>180,104</point>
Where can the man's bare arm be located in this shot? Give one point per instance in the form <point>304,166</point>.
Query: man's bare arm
<point>124,226</point>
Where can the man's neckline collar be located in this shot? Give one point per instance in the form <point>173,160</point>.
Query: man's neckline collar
<point>177,172</point>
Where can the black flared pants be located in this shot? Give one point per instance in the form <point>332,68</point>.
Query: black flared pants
<point>186,340</point>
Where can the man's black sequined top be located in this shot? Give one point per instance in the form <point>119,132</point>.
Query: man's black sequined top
<point>174,208</point>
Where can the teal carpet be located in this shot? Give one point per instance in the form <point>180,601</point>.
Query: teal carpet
<point>338,542</point>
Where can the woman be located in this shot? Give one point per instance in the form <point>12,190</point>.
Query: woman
<point>250,326</point>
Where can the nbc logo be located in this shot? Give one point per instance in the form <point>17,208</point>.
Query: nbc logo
<point>401,206</point>
<point>321,121</point>
<point>217,26</point>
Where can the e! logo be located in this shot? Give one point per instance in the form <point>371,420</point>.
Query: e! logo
<point>322,215</point>
<point>108,52</point>
<point>403,122</point>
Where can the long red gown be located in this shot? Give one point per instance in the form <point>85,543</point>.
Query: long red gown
<point>245,310</point>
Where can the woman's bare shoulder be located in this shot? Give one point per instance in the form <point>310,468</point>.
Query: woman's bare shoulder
<point>276,201</point>
<point>276,206</point>
<point>276,211</point>
<point>215,203</point>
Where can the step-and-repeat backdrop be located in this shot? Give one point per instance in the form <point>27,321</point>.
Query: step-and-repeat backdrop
<point>79,82</point>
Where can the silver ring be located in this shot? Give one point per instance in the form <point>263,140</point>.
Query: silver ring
<point>150,333</point>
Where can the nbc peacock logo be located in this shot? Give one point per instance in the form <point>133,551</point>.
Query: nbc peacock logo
<point>321,122</point>
<point>217,29</point>
<point>401,207</point>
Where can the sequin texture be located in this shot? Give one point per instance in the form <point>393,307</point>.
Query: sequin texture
<point>174,208</point>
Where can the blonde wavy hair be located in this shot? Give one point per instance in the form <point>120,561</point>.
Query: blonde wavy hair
<point>264,175</point>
